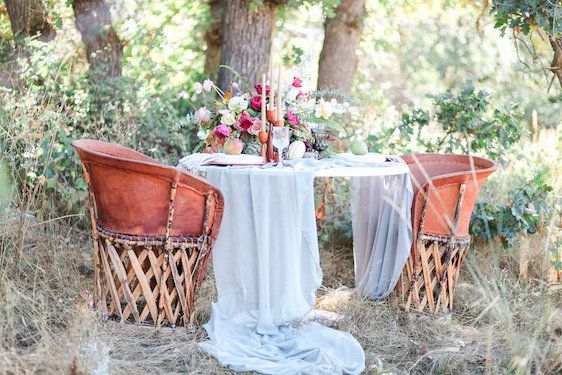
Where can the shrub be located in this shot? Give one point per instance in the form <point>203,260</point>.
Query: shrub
<point>466,123</point>
<point>53,105</point>
<point>528,208</point>
<point>461,122</point>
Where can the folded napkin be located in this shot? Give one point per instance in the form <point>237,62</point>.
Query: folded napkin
<point>193,162</point>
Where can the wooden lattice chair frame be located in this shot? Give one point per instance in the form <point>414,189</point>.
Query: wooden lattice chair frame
<point>153,228</point>
<point>445,190</point>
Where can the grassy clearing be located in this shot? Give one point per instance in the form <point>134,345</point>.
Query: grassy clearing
<point>500,324</point>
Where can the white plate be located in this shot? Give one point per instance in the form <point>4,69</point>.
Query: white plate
<point>223,159</point>
<point>367,158</point>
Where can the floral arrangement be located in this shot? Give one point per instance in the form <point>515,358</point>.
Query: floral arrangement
<point>233,117</point>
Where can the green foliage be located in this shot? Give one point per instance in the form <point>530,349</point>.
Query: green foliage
<point>528,208</point>
<point>466,122</point>
<point>294,56</point>
<point>328,6</point>
<point>461,122</point>
<point>56,101</point>
<point>419,48</point>
<point>524,15</point>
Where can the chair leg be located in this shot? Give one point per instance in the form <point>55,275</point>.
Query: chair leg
<point>432,284</point>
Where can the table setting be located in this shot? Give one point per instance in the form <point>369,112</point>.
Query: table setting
<point>263,154</point>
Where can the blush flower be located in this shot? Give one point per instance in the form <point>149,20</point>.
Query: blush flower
<point>255,103</point>
<point>207,85</point>
<point>255,128</point>
<point>202,116</point>
<point>297,82</point>
<point>259,88</point>
<point>222,131</point>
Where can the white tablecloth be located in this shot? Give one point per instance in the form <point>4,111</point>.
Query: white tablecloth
<point>267,269</point>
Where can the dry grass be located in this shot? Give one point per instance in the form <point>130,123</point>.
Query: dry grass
<point>500,325</point>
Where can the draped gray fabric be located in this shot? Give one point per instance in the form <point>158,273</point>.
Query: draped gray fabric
<point>382,231</point>
<point>267,269</point>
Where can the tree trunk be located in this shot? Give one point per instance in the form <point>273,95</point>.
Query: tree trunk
<point>338,59</point>
<point>103,47</point>
<point>246,39</point>
<point>213,38</point>
<point>29,18</point>
<point>556,44</point>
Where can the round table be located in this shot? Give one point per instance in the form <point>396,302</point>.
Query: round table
<point>267,268</point>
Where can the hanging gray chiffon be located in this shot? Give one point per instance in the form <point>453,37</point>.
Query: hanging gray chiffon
<point>382,231</point>
<point>267,269</point>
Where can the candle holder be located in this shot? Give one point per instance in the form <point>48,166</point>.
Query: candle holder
<point>271,115</point>
<point>264,138</point>
<point>269,151</point>
<point>279,123</point>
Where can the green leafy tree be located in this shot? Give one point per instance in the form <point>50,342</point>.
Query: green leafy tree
<point>462,122</point>
<point>527,16</point>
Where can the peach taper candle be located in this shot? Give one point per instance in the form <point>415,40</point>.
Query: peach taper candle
<point>279,111</point>
<point>271,90</point>
<point>263,106</point>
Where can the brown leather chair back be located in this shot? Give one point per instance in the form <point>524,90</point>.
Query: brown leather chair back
<point>446,187</point>
<point>132,194</point>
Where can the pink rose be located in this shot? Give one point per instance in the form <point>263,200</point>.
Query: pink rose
<point>202,116</point>
<point>222,131</point>
<point>255,103</point>
<point>244,122</point>
<point>297,82</point>
<point>258,89</point>
<point>292,118</point>
<point>255,129</point>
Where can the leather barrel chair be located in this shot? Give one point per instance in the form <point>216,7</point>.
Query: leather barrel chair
<point>446,187</point>
<point>153,228</point>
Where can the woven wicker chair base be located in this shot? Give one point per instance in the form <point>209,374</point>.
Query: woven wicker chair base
<point>142,282</point>
<point>431,273</point>
<point>149,260</point>
<point>446,187</point>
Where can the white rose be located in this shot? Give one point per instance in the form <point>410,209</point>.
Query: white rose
<point>237,104</point>
<point>198,88</point>
<point>227,118</point>
<point>317,110</point>
<point>207,85</point>
<point>202,134</point>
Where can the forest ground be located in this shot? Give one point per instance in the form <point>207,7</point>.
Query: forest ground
<point>499,324</point>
